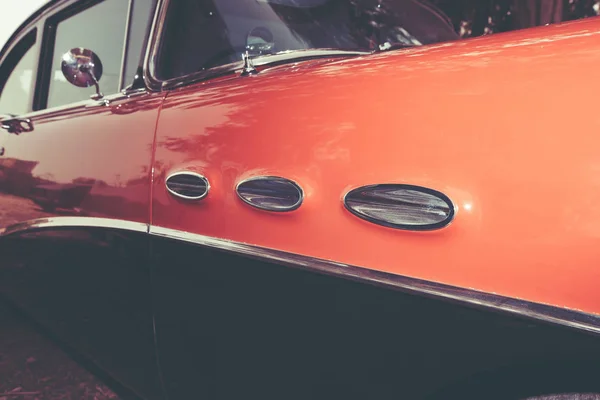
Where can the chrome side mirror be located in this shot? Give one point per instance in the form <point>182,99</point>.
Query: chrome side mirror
<point>82,68</point>
<point>259,41</point>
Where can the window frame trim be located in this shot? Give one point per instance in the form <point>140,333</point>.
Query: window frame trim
<point>11,46</point>
<point>50,23</point>
<point>126,43</point>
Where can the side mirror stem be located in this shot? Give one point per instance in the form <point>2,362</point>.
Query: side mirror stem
<point>98,95</point>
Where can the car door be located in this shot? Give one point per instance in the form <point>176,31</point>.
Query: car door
<point>277,185</point>
<point>74,185</point>
<point>248,223</point>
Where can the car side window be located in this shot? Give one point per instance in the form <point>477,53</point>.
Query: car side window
<point>20,66</point>
<point>140,21</point>
<point>100,28</point>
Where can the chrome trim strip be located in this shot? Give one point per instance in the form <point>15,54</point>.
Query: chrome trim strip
<point>73,222</point>
<point>182,196</point>
<point>541,312</point>
<point>126,44</point>
<point>81,106</point>
<point>153,44</point>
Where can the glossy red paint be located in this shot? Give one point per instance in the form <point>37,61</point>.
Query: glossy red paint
<point>493,122</point>
<point>83,160</point>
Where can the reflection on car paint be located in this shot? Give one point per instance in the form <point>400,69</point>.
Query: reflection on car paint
<point>307,123</point>
<point>98,169</point>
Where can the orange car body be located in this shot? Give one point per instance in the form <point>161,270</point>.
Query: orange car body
<point>495,123</point>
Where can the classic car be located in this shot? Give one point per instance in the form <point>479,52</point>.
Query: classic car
<point>304,199</point>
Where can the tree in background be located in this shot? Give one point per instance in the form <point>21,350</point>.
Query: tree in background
<point>483,17</point>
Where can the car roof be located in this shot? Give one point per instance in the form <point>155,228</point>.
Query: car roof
<point>34,16</point>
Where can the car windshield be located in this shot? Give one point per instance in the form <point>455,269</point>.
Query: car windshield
<point>202,34</point>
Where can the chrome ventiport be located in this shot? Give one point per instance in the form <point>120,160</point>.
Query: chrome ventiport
<point>401,206</point>
<point>270,193</point>
<point>187,185</point>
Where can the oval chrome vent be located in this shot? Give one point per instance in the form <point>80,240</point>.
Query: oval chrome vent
<point>401,206</point>
<point>270,193</point>
<point>187,185</point>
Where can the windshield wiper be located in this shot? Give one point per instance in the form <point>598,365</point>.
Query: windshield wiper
<point>387,46</point>
<point>249,63</point>
<point>304,54</point>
